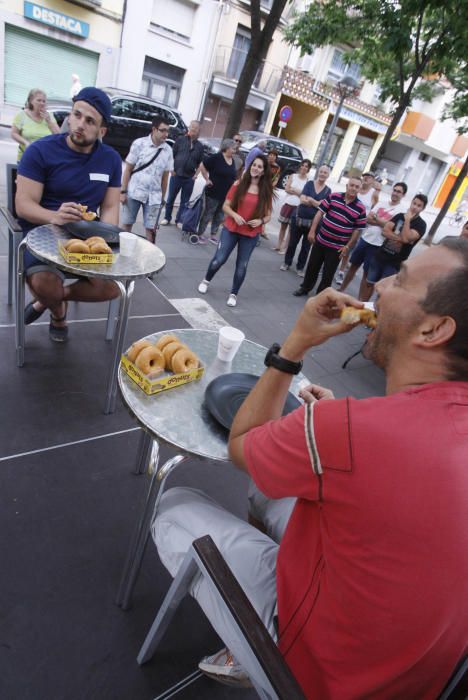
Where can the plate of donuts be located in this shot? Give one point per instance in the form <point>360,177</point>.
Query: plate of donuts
<point>162,365</point>
<point>88,229</point>
<point>225,395</point>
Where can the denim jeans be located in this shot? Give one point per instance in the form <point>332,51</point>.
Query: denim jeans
<point>296,234</point>
<point>213,212</point>
<point>227,242</point>
<point>379,269</point>
<point>177,184</point>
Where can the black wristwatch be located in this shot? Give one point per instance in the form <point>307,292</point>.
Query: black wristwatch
<point>272,359</point>
<point>123,191</point>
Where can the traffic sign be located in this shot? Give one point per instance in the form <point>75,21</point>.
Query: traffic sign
<point>285,113</point>
<point>282,125</point>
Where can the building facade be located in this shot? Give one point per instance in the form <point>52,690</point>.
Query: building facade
<point>424,151</point>
<point>42,45</point>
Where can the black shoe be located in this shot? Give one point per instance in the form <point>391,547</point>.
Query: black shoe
<point>301,292</point>
<point>31,314</point>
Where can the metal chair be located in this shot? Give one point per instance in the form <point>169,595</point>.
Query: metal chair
<point>268,672</point>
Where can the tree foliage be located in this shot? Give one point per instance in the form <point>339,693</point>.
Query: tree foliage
<point>410,48</point>
<point>261,33</point>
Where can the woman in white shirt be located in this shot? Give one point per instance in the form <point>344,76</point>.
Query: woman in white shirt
<point>294,187</point>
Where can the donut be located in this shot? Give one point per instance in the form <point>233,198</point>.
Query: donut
<point>184,360</point>
<point>95,239</point>
<point>352,315</point>
<point>136,348</point>
<point>83,207</point>
<point>165,340</point>
<point>89,215</point>
<point>99,248</point>
<point>71,241</point>
<point>169,350</point>
<point>150,360</point>
<point>77,247</point>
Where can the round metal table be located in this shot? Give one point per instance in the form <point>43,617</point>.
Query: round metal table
<point>179,417</point>
<point>43,242</point>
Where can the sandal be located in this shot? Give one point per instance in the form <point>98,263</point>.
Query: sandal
<point>58,334</point>
<point>31,314</point>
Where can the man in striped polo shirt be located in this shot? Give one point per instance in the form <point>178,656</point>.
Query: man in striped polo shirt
<point>333,236</point>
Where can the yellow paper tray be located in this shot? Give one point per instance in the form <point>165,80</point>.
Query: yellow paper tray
<point>162,382</point>
<point>89,258</point>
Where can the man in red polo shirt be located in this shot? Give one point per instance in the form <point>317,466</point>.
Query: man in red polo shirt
<point>371,572</point>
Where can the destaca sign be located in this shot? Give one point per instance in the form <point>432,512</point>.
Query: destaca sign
<point>56,19</point>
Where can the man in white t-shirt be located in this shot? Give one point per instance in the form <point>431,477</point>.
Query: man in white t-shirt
<point>372,239</point>
<point>145,177</point>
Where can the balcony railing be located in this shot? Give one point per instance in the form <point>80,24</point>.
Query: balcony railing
<point>229,63</point>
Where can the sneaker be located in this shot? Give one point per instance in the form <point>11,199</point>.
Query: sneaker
<point>301,292</point>
<point>232,300</point>
<point>339,277</point>
<point>202,240</point>
<point>224,668</point>
<point>214,240</point>
<point>179,225</point>
<point>203,287</point>
<point>284,267</point>
<point>300,273</point>
<point>165,222</point>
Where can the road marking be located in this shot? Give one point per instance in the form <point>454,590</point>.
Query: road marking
<point>199,313</point>
<point>66,444</point>
<point>90,320</point>
<point>181,685</point>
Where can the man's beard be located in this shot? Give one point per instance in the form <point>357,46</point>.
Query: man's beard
<point>81,141</point>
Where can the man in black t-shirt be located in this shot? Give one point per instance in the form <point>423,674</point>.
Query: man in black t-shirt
<point>401,234</point>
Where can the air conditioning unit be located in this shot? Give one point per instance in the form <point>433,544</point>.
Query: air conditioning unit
<point>305,64</point>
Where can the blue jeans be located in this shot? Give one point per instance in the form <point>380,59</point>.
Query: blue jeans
<point>177,184</point>
<point>378,269</point>
<point>227,242</point>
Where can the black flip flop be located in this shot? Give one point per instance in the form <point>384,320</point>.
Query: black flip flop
<point>31,314</point>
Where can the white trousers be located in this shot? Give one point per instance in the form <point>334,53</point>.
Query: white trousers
<point>185,514</point>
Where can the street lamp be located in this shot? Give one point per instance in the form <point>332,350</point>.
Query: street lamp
<point>346,87</point>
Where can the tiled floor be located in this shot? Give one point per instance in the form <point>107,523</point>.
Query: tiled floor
<point>68,499</point>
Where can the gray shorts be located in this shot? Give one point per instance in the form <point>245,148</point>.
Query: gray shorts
<point>130,212</point>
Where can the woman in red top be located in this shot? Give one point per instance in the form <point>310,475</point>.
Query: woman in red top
<point>247,207</point>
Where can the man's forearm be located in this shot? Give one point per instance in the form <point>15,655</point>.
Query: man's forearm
<point>315,222</point>
<point>33,212</point>
<point>126,175</point>
<point>354,237</point>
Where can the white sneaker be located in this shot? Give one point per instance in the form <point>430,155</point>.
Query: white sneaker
<point>224,668</point>
<point>164,222</point>
<point>203,287</point>
<point>339,277</point>
<point>300,273</point>
<point>232,300</point>
<point>284,267</point>
<point>179,225</point>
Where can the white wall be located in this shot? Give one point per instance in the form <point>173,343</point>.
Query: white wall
<point>193,55</point>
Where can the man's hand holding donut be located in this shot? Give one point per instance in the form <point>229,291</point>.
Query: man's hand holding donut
<point>68,211</point>
<point>318,321</point>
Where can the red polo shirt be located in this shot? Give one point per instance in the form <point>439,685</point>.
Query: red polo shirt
<point>372,569</point>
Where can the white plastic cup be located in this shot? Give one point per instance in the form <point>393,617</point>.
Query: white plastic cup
<point>229,342</point>
<point>127,242</point>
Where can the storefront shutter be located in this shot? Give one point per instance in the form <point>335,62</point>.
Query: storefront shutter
<point>36,61</point>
